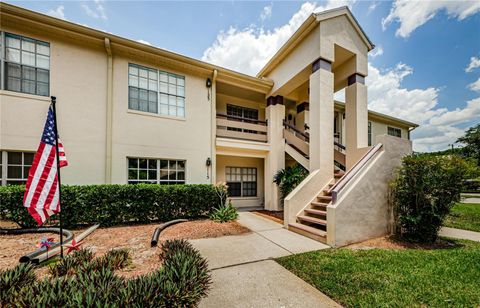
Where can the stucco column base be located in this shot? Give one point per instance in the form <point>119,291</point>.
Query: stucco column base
<point>356,122</point>
<point>275,159</point>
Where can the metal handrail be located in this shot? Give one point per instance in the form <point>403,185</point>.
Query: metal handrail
<point>337,187</point>
<point>341,146</point>
<point>296,130</point>
<point>260,122</point>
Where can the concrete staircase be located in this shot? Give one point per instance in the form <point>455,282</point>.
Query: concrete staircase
<point>313,221</point>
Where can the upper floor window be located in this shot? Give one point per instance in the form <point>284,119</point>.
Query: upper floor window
<point>155,91</point>
<point>14,167</point>
<point>156,171</point>
<point>26,65</point>
<point>393,131</point>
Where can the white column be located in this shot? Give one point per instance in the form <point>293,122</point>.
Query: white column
<point>321,118</point>
<point>356,119</point>
<point>275,159</point>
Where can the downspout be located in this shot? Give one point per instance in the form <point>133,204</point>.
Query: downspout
<point>109,119</point>
<point>213,127</point>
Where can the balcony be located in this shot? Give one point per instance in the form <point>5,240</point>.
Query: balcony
<point>241,128</point>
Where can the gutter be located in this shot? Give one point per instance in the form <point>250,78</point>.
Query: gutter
<point>109,118</point>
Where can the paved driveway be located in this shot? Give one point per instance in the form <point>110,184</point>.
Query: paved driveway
<point>244,274</point>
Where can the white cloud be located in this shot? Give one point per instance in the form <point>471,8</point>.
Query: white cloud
<point>96,11</point>
<point>474,63</point>
<point>144,42</point>
<point>438,126</point>
<point>248,50</point>
<point>378,51</point>
<point>267,12</point>
<point>475,86</point>
<point>372,7</point>
<point>413,14</point>
<point>59,12</point>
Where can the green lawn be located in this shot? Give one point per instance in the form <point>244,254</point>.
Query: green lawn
<point>381,278</point>
<point>464,216</point>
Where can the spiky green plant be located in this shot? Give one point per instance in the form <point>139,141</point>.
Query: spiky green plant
<point>13,280</point>
<point>224,213</point>
<point>71,263</point>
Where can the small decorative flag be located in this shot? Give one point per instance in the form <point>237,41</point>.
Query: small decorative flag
<point>45,243</point>
<point>42,197</point>
<point>74,246</point>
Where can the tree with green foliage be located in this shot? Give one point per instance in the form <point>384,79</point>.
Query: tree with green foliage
<point>424,191</point>
<point>471,140</point>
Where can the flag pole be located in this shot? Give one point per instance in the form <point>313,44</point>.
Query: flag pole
<point>54,100</point>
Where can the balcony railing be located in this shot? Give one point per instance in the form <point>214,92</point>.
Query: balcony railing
<point>241,128</point>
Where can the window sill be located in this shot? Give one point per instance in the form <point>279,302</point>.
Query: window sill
<point>25,95</point>
<point>148,114</point>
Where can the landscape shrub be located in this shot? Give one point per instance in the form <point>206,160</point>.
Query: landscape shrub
<point>182,281</point>
<point>225,213</point>
<point>112,205</point>
<point>425,189</point>
<point>289,178</point>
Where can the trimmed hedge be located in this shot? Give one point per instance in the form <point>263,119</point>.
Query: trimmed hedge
<point>112,205</point>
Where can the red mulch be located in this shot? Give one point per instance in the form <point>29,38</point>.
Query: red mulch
<point>276,216</point>
<point>136,238</point>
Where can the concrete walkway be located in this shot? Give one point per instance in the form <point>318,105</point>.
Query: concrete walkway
<point>244,274</point>
<point>460,234</point>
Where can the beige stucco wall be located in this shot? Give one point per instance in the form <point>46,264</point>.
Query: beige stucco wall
<point>362,210</point>
<point>78,80</point>
<point>236,161</point>
<point>141,134</point>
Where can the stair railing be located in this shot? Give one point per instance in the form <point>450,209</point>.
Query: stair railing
<point>347,177</point>
<point>296,132</point>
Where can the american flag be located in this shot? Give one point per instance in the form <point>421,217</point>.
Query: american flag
<point>42,197</point>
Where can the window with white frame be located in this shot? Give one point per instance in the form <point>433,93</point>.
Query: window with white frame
<point>26,65</point>
<point>14,167</point>
<point>156,171</point>
<point>156,91</point>
<point>393,131</point>
<point>241,181</point>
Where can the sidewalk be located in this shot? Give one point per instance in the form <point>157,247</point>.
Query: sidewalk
<point>244,274</point>
<point>460,234</point>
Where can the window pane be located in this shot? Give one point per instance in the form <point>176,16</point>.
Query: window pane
<point>132,174</point>
<point>163,77</point>
<point>14,70</point>
<point>164,99</point>
<point>26,170</point>
<point>42,75</point>
<point>163,109</point>
<point>14,158</point>
<point>172,110</point>
<point>152,107</point>
<point>163,87</point>
<point>164,164</point>
<point>28,73</point>
<point>180,112</point>
<point>14,172</point>
<point>28,45</point>
<point>180,101</point>
<point>13,55</point>
<point>152,74</point>
<point>142,174</point>
<point>43,61</point>
<point>152,174</point>
<point>132,163</point>
<point>43,49</point>
<point>172,89</point>
<point>133,81</point>
<point>143,83</point>
<point>28,58</point>
<point>133,103</point>
<point>163,175</point>
<point>28,86</point>
<point>13,42</point>
<point>142,163</point>
<point>13,84</point>
<point>181,175</point>
<point>143,105</point>
<point>142,72</point>
<point>172,79</point>
<point>180,81</point>
<point>152,85</point>
<point>42,88</point>
<point>234,189</point>
<point>133,69</point>
<point>181,91</point>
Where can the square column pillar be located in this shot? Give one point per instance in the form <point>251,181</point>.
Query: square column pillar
<point>321,118</point>
<point>356,118</point>
<point>302,116</point>
<point>275,159</point>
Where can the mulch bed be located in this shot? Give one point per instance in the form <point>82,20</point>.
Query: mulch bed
<point>136,238</point>
<point>276,216</point>
<point>391,242</point>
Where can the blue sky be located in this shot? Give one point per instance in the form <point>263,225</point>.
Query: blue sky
<point>419,70</point>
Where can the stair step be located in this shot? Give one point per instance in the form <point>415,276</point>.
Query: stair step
<point>338,175</point>
<point>316,212</point>
<point>319,204</point>
<point>328,198</point>
<point>311,232</point>
<point>313,220</point>
<point>327,192</point>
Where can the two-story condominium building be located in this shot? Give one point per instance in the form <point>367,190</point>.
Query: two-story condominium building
<point>133,113</point>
